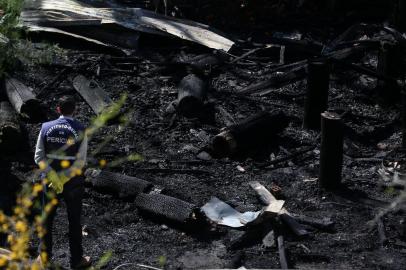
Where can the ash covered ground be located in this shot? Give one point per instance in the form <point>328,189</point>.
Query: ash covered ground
<point>172,147</point>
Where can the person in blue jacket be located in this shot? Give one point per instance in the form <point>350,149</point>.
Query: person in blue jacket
<point>61,150</point>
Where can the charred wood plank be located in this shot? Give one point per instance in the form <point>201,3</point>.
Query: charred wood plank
<point>277,80</point>
<point>10,131</point>
<point>289,157</point>
<point>331,150</point>
<point>162,206</point>
<point>96,97</point>
<point>322,224</point>
<point>264,196</point>
<point>267,198</point>
<point>191,96</point>
<point>248,134</point>
<point>318,84</point>
<point>23,99</point>
<point>122,185</point>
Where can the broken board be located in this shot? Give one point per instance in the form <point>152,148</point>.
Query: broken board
<point>96,97</point>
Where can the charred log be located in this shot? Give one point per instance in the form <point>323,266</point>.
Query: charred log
<point>169,208</point>
<point>23,100</point>
<point>122,185</point>
<point>318,83</point>
<point>278,80</point>
<point>191,96</point>
<point>10,131</point>
<point>331,151</point>
<point>251,133</point>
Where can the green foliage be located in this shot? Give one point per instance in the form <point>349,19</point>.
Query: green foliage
<point>9,20</point>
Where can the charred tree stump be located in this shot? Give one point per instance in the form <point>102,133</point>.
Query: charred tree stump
<point>23,100</point>
<point>191,96</point>
<point>251,133</point>
<point>165,207</point>
<point>390,65</point>
<point>122,185</point>
<point>331,152</point>
<point>10,132</point>
<point>318,83</point>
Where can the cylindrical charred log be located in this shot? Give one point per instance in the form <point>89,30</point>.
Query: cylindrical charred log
<point>122,185</point>
<point>191,96</point>
<point>390,64</point>
<point>250,133</point>
<point>10,131</point>
<point>162,206</point>
<point>331,152</point>
<point>318,84</point>
<point>23,99</point>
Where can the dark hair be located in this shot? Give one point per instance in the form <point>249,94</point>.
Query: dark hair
<point>67,105</point>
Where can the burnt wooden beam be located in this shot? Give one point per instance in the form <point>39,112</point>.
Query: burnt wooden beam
<point>166,207</point>
<point>96,97</point>
<point>248,134</point>
<point>10,131</point>
<point>318,84</point>
<point>122,185</point>
<point>23,100</point>
<point>323,224</point>
<point>277,80</point>
<point>331,151</point>
<point>191,96</point>
<point>268,198</point>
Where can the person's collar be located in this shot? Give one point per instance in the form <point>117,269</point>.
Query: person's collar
<point>66,117</point>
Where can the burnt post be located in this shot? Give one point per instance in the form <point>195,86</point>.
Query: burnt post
<point>389,65</point>
<point>331,152</point>
<point>318,84</point>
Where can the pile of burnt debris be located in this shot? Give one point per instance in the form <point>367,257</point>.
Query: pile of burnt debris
<point>312,120</point>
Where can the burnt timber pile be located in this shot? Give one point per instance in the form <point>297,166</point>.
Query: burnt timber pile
<point>291,120</point>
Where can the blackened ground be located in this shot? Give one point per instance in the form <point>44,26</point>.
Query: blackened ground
<point>167,143</point>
